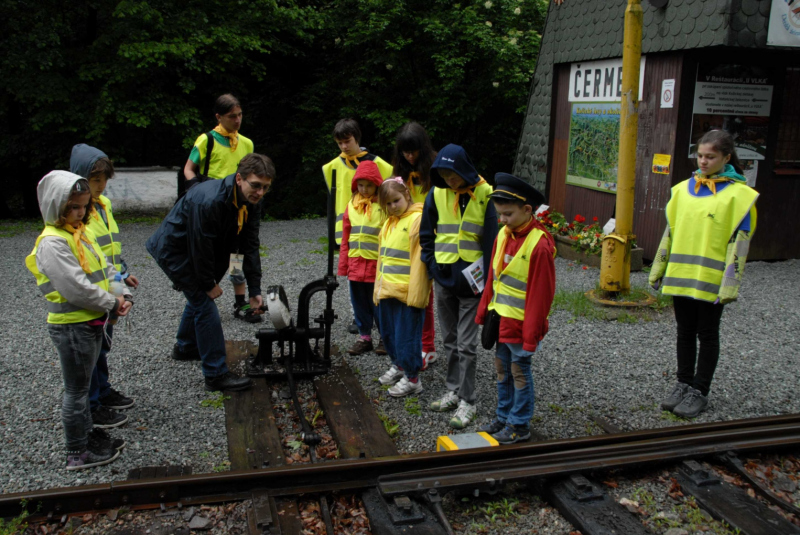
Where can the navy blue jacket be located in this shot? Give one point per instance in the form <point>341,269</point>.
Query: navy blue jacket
<point>194,242</point>
<point>454,158</point>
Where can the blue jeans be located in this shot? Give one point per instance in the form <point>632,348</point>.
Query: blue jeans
<point>363,307</point>
<point>201,328</point>
<point>401,333</point>
<point>78,345</point>
<point>100,386</point>
<point>514,384</point>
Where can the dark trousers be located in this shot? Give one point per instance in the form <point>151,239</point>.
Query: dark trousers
<point>201,328</point>
<point>100,384</point>
<point>363,306</point>
<point>697,320</point>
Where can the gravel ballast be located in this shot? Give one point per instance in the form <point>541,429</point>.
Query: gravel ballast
<point>616,369</point>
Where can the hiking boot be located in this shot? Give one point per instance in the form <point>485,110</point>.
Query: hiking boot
<point>115,400</point>
<point>360,347</point>
<point>445,403</point>
<point>428,359</point>
<point>100,440</point>
<point>80,460</point>
<point>188,354</point>
<point>692,405</point>
<point>465,413</point>
<point>353,328</point>
<point>229,382</point>
<point>404,387</point>
<point>512,434</point>
<point>675,397</point>
<point>380,350</point>
<point>105,418</point>
<point>493,427</point>
<point>245,313</point>
<point>392,376</point>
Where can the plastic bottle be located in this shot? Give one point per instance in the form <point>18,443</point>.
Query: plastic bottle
<point>116,286</point>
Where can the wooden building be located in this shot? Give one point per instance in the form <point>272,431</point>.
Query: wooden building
<point>707,64</point>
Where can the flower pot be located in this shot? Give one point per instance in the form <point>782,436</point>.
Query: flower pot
<point>565,249</point>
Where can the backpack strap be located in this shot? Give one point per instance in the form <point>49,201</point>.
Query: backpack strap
<point>209,148</point>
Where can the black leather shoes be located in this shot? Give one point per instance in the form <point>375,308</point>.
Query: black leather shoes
<point>192,354</point>
<point>228,382</point>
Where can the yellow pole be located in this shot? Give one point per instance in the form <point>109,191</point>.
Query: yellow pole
<point>615,267</point>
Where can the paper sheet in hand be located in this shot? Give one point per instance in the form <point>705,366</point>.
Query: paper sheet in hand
<point>475,275</point>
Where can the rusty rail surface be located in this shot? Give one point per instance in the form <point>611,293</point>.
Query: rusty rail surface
<point>486,468</point>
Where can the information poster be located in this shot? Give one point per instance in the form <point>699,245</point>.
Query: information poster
<point>784,23</point>
<point>595,91</point>
<point>737,99</point>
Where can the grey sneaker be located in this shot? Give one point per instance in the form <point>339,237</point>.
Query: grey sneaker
<point>692,405</point>
<point>392,376</point>
<point>445,403</point>
<point>675,397</point>
<point>495,426</point>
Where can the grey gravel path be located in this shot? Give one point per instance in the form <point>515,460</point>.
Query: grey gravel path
<point>607,368</point>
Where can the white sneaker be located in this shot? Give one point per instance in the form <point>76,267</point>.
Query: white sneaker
<point>405,387</point>
<point>465,413</point>
<point>428,359</point>
<point>392,376</point>
<point>445,403</point>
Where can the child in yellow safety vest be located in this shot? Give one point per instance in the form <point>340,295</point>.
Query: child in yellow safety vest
<point>95,166</point>
<point>402,288</point>
<point>358,256</point>
<point>459,225</point>
<point>73,275</point>
<point>412,160</point>
<point>521,287</point>
<point>700,262</point>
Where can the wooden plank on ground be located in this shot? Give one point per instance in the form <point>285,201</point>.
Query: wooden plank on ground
<point>351,417</point>
<point>253,440</point>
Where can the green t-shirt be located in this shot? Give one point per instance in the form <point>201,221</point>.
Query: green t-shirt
<point>223,161</point>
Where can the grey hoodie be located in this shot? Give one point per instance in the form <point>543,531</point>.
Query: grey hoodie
<point>83,159</point>
<point>54,256</point>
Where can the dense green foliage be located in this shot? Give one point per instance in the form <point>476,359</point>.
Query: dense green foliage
<point>137,78</point>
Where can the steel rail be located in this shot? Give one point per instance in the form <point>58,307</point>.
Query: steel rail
<point>448,468</point>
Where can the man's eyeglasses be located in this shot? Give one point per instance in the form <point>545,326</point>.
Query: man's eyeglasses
<point>265,188</point>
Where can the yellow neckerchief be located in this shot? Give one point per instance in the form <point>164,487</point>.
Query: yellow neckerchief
<point>709,181</point>
<point>242,209</point>
<point>393,219</point>
<point>363,204</point>
<point>233,137</point>
<point>466,190</point>
<point>411,176</point>
<point>78,236</point>
<point>512,232</point>
<point>503,241</point>
<point>95,214</point>
<point>348,160</point>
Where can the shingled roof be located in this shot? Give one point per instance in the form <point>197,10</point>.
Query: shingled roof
<point>581,31</point>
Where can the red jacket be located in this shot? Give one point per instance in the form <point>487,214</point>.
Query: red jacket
<point>538,296</point>
<point>358,269</point>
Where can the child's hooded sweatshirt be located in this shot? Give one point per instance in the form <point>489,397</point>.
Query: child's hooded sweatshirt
<point>454,158</point>
<point>358,268</point>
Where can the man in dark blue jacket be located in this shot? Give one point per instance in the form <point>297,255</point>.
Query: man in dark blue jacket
<point>458,228</point>
<point>215,225</point>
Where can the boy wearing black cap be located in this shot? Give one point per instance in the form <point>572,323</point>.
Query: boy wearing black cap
<point>523,283</point>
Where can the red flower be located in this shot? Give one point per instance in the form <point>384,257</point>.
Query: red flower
<point>573,238</point>
<point>594,219</point>
<point>579,218</point>
<point>571,225</point>
<point>584,267</point>
<point>597,235</point>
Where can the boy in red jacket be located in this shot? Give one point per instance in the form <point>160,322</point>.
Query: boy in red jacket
<point>523,279</point>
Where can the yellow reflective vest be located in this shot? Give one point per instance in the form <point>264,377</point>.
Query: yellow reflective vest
<point>344,180</point>
<point>364,232</point>
<point>59,310</point>
<point>395,261</point>
<point>457,235</point>
<point>223,162</point>
<point>510,287</point>
<point>107,236</point>
<point>701,228</point>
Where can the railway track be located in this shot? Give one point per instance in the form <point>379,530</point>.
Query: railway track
<point>399,491</point>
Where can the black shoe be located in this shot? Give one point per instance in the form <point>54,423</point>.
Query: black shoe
<point>100,440</point>
<point>190,354</point>
<point>115,400</point>
<point>105,418</point>
<point>228,382</point>
<point>245,313</point>
<point>353,328</point>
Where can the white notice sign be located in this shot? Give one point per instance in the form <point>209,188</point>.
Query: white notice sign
<point>724,98</point>
<point>668,93</point>
<point>599,81</point>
